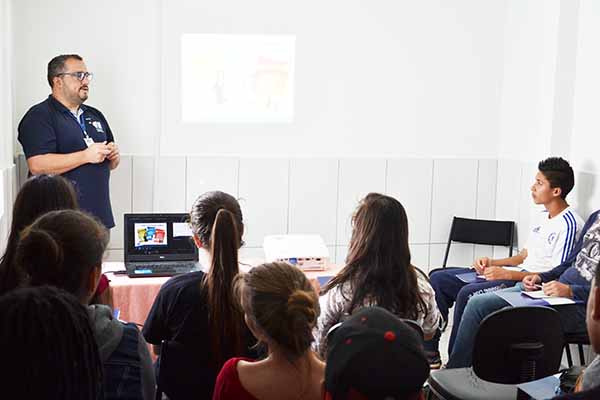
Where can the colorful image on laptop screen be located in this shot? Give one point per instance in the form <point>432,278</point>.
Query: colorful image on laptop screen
<point>150,234</point>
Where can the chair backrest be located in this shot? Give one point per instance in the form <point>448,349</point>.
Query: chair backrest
<point>518,344</point>
<point>481,231</point>
<point>185,372</point>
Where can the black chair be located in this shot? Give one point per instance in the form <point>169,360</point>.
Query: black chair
<point>184,372</point>
<point>580,339</point>
<point>481,231</point>
<point>512,346</point>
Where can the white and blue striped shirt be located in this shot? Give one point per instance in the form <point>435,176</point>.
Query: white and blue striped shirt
<point>551,239</point>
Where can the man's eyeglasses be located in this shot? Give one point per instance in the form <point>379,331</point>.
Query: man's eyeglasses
<point>80,75</point>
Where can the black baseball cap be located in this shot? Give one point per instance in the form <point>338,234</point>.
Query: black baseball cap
<point>375,355</point>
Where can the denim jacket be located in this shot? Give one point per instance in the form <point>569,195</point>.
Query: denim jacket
<point>128,371</point>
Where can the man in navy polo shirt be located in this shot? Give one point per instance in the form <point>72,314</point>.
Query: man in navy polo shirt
<point>62,136</point>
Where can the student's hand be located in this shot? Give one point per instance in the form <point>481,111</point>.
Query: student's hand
<point>496,273</point>
<point>114,151</point>
<point>531,282</point>
<point>556,288</point>
<point>481,264</point>
<point>96,153</point>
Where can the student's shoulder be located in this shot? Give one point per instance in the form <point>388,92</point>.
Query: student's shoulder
<point>570,219</point>
<point>182,282</point>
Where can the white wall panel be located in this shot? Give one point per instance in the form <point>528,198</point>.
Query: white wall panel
<point>357,178</point>
<point>120,198</point>
<point>313,197</point>
<point>171,185</point>
<point>341,252</point>
<point>264,198</point>
<point>585,196</point>
<point>410,182</point>
<point>454,194</point>
<point>527,208</point>
<point>419,254</point>
<point>461,255</point>
<point>486,189</point>
<point>143,184</point>
<point>211,173</point>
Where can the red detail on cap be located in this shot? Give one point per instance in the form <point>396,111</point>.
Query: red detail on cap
<point>363,319</point>
<point>389,336</point>
<point>348,341</point>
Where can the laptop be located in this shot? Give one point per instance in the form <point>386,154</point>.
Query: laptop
<point>159,245</point>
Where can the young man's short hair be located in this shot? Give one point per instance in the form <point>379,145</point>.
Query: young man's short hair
<point>559,173</point>
<point>57,65</point>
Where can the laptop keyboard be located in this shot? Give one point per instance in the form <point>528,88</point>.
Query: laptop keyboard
<point>163,268</point>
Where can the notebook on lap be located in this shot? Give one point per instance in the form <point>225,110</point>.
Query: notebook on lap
<point>159,245</point>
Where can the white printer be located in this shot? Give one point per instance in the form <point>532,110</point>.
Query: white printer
<point>307,252</point>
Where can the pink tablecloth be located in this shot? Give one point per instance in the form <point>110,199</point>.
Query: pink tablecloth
<point>134,296</point>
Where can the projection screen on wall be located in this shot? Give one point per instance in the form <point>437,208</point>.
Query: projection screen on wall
<point>237,78</point>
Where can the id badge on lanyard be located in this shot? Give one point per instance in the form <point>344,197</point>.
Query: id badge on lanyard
<point>86,138</point>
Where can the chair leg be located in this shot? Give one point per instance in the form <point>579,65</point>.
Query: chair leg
<point>581,355</point>
<point>569,358</point>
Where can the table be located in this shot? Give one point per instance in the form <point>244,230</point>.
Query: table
<point>133,297</point>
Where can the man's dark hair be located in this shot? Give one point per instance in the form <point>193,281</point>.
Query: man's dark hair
<point>597,274</point>
<point>57,65</point>
<point>559,173</point>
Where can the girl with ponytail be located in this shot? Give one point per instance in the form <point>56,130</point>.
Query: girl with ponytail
<point>198,310</point>
<point>281,309</point>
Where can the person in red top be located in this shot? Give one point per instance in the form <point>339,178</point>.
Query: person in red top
<point>281,309</point>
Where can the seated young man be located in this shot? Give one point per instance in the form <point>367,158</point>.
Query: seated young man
<point>374,355</point>
<point>551,238</point>
<point>591,375</point>
<point>570,279</point>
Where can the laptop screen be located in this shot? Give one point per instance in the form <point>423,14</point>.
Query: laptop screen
<point>158,237</point>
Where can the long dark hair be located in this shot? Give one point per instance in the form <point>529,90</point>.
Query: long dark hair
<point>39,194</point>
<point>49,348</point>
<point>216,218</point>
<point>378,267</point>
<point>61,248</point>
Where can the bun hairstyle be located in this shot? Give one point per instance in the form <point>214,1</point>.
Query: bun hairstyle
<point>216,218</point>
<point>57,194</point>
<point>282,303</point>
<point>60,249</point>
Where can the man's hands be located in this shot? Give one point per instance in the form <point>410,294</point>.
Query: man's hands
<point>481,264</point>
<point>553,288</point>
<point>496,273</point>
<point>96,153</point>
<point>114,151</point>
<point>556,288</point>
<point>532,282</point>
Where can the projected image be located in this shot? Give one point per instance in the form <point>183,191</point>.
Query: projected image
<point>237,78</point>
<point>150,234</point>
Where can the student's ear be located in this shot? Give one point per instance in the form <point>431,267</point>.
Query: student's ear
<point>197,241</point>
<point>556,191</point>
<point>595,312</point>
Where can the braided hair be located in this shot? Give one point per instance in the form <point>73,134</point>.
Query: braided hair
<point>49,348</point>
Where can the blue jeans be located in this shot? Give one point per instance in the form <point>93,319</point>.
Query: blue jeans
<point>448,290</point>
<point>478,307</point>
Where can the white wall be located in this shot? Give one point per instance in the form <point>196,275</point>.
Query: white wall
<point>391,78</point>
<point>7,170</point>
<point>119,41</point>
<point>305,195</point>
